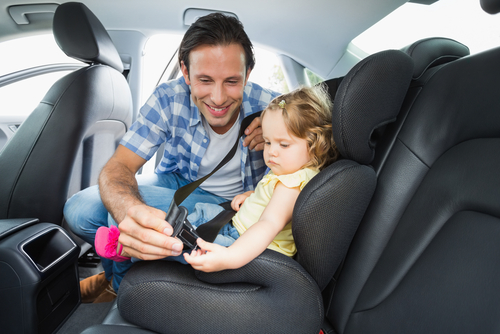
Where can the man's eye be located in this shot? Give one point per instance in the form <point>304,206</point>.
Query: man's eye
<point>232,82</point>
<point>204,80</point>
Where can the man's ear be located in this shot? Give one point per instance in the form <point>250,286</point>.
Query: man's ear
<point>185,73</point>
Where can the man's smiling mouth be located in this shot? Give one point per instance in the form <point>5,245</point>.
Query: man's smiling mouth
<point>218,111</point>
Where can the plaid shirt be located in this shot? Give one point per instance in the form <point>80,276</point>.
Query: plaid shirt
<point>171,117</point>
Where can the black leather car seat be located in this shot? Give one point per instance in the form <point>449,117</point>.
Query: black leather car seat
<point>428,55</point>
<point>274,293</point>
<point>86,111</point>
<point>425,256</point>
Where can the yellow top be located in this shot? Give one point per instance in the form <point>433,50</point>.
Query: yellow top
<point>254,206</point>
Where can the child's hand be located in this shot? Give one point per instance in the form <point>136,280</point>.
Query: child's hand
<point>208,257</point>
<point>239,199</point>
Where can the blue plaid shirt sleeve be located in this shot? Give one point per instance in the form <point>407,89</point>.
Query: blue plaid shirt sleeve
<point>150,129</point>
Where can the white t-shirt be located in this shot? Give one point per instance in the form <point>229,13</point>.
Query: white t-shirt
<point>227,181</point>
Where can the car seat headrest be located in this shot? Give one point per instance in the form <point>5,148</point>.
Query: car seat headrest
<point>81,35</point>
<point>491,6</point>
<point>434,51</point>
<point>369,97</point>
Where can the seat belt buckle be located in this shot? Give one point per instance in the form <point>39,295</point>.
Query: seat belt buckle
<point>188,235</point>
<point>183,230</point>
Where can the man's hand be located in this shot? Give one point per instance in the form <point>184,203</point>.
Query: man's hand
<point>253,137</point>
<point>209,257</point>
<point>145,234</point>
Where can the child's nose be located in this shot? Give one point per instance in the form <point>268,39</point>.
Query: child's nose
<point>273,151</point>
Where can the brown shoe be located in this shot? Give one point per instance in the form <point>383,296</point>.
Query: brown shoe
<point>92,287</point>
<point>107,295</point>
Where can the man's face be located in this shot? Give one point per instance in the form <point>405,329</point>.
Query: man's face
<point>217,78</point>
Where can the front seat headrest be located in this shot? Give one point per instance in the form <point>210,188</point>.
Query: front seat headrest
<point>81,35</point>
<point>369,97</point>
<point>434,51</point>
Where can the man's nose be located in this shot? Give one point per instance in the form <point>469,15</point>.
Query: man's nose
<point>219,96</point>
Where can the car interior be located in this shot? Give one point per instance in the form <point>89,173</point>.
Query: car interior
<point>398,236</point>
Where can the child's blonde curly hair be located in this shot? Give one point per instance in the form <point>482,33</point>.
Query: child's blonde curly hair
<point>307,114</point>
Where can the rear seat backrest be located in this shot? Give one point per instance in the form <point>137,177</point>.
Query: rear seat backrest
<point>425,257</point>
<point>428,56</point>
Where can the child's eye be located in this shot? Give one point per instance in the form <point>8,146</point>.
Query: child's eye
<point>267,143</point>
<point>284,145</point>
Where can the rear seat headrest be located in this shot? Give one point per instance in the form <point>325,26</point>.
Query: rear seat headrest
<point>81,35</point>
<point>430,52</point>
<point>491,6</point>
<point>368,97</point>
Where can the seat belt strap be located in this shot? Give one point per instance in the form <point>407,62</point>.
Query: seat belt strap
<point>176,214</point>
<point>210,230</point>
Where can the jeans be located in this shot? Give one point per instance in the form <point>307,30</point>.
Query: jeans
<point>85,213</point>
<point>204,212</point>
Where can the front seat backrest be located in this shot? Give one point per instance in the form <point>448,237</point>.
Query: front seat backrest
<point>37,162</point>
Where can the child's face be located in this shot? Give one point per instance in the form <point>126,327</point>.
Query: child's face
<point>283,152</point>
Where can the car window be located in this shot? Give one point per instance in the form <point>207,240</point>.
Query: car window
<point>31,51</point>
<point>444,18</point>
<point>268,72</point>
<point>20,98</point>
<point>160,58</point>
<point>313,77</point>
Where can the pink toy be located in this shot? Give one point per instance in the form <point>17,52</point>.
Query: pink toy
<point>106,241</point>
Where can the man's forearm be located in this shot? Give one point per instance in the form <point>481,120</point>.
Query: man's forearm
<point>118,189</point>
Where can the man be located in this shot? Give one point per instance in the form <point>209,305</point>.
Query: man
<point>197,117</point>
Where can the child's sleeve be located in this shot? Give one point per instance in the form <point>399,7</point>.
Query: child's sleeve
<point>298,179</point>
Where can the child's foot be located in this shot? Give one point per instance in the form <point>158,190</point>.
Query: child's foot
<point>106,244</point>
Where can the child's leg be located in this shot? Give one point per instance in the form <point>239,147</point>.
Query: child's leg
<point>227,235</point>
<point>203,212</point>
